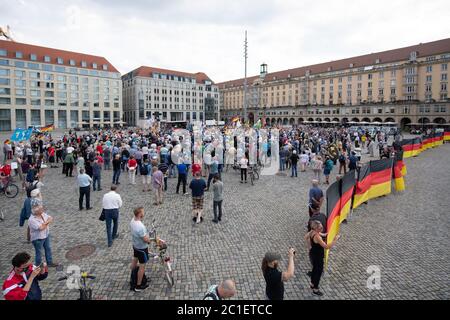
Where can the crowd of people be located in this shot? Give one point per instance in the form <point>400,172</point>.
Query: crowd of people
<point>158,156</point>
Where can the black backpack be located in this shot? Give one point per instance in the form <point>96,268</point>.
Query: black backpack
<point>144,169</point>
<point>133,279</point>
<point>31,188</point>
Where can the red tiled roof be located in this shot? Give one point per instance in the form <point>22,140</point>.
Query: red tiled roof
<point>423,49</point>
<point>40,52</point>
<point>144,71</point>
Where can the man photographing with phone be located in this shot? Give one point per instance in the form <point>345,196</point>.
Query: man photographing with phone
<point>274,277</point>
<point>23,281</point>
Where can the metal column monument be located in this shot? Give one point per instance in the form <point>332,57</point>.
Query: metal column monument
<point>245,78</point>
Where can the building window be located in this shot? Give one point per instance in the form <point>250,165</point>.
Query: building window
<point>105,67</point>
<point>84,64</point>
<point>444,77</point>
<point>369,76</point>
<point>33,57</point>
<point>59,60</point>
<point>444,67</point>
<point>393,73</point>
<point>19,55</point>
<point>72,62</point>
<point>47,59</point>
<point>3,53</point>
<point>429,78</point>
<point>429,69</point>
<point>94,65</point>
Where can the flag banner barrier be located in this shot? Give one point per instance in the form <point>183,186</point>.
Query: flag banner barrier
<point>21,135</point>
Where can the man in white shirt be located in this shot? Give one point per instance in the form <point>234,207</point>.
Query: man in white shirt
<point>111,204</point>
<point>70,149</point>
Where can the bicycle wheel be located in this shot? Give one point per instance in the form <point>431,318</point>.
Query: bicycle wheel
<point>256,173</point>
<point>11,191</point>
<point>252,178</point>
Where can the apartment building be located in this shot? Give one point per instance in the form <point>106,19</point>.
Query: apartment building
<point>41,86</point>
<point>406,85</point>
<point>170,96</point>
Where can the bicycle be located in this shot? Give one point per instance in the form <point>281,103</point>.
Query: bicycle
<point>161,247</point>
<point>253,173</point>
<point>9,189</point>
<point>85,290</point>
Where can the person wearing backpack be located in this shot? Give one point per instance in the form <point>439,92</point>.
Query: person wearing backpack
<point>69,161</point>
<point>342,163</point>
<point>146,173</point>
<point>224,290</point>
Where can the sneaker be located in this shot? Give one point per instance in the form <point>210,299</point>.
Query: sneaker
<point>215,221</point>
<point>186,194</point>
<point>317,293</point>
<point>142,287</point>
<point>53,265</point>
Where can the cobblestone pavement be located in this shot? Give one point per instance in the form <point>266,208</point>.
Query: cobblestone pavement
<point>405,234</point>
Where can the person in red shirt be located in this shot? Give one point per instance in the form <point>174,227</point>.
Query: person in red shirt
<point>196,168</point>
<point>100,149</point>
<point>99,158</point>
<point>23,280</point>
<point>132,166</point>
<point>51,156</point>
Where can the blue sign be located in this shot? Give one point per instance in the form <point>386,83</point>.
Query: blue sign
<point>21,134</point>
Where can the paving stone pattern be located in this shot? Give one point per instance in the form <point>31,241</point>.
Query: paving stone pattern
<point>405,234</point>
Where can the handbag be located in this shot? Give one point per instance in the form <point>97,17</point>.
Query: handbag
<point>102,216</point>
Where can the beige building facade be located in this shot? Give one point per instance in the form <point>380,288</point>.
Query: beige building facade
<point>406,85</point>
<point>42,86</point>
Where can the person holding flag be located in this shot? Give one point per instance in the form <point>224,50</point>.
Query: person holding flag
<point>317,247</point>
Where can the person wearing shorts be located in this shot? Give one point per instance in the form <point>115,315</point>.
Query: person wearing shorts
<point>198,186</point>
<point>141,241</point>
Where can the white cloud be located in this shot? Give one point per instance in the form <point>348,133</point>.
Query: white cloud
<point>208,35</point>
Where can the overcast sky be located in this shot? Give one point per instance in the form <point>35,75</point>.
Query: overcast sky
<point>208,35</point>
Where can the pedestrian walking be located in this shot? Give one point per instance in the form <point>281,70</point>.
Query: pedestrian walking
<point>157,185</point>
<point>182,176</point>
<point>244,166</point>
<point>96,175</point>
<point>317,167</point>
<point>294,160</point>
<point>111,204</point>
<point>146,173</point>
<point>327,168</point>
<point>116,169</point>
<point>217,198</point>
<point>84,183</point>
<point>132,165</point>
<point>198,186</point>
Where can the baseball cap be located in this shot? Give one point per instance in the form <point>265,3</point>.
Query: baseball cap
<point>272,256</point>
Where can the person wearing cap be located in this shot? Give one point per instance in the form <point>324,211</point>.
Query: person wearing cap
<point>294,161</point>
<point>275,278</point>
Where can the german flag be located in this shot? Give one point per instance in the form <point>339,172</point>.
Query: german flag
<point>447,134</point>
<point>408,148</point>
<point>398,172</point>
<point>380,177</point>
<point>439,138</point>
<point>362,187</point>
<point>347,189</point>
<point>427,142</point>
<point>48,128</point>
<point>333,212</point>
